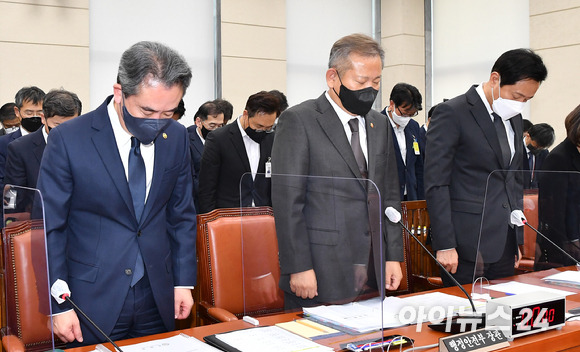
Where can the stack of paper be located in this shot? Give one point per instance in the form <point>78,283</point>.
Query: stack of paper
<point>365,316</point>
<point>570,278</point>
<point>269,338</point>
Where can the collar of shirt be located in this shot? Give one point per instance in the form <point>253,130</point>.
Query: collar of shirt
<point>44,134</point>
<point>123,140</point>
<point>344,118</point>
<point>252,149</point>
<point>200,136</point>
<point>23,131</point>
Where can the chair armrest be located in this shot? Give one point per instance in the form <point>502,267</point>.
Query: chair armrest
<point>12,343</point>
<point>221,314</point>
<point>435,280</point>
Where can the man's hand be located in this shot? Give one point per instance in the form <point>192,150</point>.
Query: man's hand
<point>393,275</point>
<point>183,302</point>
<point>67,327</point>
<point>449,259</point>
<point>303,284</point>
<point>518,258</point>
<point>360,276</point>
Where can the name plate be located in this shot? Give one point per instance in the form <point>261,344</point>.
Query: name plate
<point>478,340</point>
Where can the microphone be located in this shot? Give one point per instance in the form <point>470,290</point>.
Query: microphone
<point>395,217</point>
<point>518,218</point>
<point>61,293</point>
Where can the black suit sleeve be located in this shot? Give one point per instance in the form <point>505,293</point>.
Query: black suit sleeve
<point>15,170</point>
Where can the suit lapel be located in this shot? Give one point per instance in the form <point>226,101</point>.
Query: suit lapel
<point>239,146</point>
<point>159,167</point>
<point>372,145</point>
<point>106,146</point>
<point>332,126</point>
<point>483,119</point>
<point>197,143</point>
<point>516,123</point>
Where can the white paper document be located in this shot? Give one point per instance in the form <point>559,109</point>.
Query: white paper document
<point>178,343</point>
<point>365,316</point>
<point>269,338</point>
<point>571,277</point>
<point>514,288</point>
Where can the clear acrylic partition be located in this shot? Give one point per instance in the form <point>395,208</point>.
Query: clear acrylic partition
<point>550,204</point>
<point>27,301</point>
<point>330,224</point>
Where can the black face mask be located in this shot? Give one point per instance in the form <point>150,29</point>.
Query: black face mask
<point>204,131</point>
<point>31,124</point>
<point>357,102</point>
<point>534,150</point>
<point>257,136</point>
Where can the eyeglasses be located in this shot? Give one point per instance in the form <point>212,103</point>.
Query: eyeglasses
<point>406,114</point>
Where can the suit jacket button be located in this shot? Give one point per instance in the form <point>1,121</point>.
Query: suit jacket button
<point>504,205</point>
<point>128,272</point>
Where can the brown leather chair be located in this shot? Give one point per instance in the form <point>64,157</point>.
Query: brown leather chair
<point>238,270</point>
<point>423,271</point>
<point>529,247</point>
<point>27,294</point>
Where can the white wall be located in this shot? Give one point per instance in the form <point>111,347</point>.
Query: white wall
<point>186,26</point>
<point>468,36</point>
<point>311,29</point>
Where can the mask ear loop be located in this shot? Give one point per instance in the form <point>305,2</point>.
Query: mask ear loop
<point>340,80</point>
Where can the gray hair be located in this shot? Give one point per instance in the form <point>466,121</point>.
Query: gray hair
<point>360,44</point>
<point>151,60</point>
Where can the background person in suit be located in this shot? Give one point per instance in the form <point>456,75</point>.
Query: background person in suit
<point>559,198</point>
<point>537,140</point>
<point>120,219</point>
<point>28,110</point>
<point>8,119</point>
<point>405,103</point>
<point>469,138</point>
<point>25,153</point>
<point>322,219</point>
<point>207,118</point>
<point>233,152</point>
<point>226,107</point>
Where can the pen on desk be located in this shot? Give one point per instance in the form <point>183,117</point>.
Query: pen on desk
<point>249,319</point>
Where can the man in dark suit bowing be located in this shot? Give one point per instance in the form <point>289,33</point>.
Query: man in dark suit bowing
<point>537,139</point>
<point>323,221</point>
<point>119,212</point>
<point>207,118</point>
<point>470,139</point>
<point>239,152</point>
<point>405,103</point>
<point>25,153</point>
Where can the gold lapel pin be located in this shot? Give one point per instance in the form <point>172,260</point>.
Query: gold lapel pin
<point>372,125</point>
<point>164,135</point>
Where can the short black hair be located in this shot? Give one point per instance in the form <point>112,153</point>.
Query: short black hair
<point>7,112</point>
<point>226,107</point>
<point>520,64</point>
<point>206,109</point>
<point>404,94</point>
<point>526,125</point>
<point>572,123</point>
<point>263,102</point>
<point>180,111</point>
<point>60,102</point>
<point>282,100</point>
<point>32,94</point>
<point>543,134</point>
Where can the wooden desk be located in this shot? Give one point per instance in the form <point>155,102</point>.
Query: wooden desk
<point>565,339</point>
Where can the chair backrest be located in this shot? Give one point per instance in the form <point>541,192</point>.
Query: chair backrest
<point>531,214</point>
<point>26,285</point>
<point>424,272</point>
<point>234,243</point>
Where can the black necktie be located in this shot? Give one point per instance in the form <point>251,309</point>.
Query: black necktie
<point>138,189</point>
<point>503,140</point>
<point>356,148</point>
